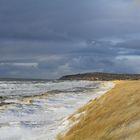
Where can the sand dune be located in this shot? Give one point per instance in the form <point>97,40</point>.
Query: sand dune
<point>114,116</point>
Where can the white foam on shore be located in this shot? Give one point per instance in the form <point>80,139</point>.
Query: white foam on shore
<point>45,117</point>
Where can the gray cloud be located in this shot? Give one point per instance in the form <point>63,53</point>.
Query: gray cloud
<point>47,39</point>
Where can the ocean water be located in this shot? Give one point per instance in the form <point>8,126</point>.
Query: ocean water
<point>36,110</point>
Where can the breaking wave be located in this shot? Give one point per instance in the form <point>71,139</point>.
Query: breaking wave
<point>35,110</point>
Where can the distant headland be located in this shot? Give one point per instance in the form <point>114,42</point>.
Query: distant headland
<point>98,76</point>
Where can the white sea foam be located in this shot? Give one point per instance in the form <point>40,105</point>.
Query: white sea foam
<point>45,117</point>
<point>9,88</point>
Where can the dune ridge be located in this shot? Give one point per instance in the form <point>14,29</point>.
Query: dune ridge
<point>114,116</point>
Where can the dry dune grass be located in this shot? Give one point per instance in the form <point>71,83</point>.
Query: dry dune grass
<point>114,116</point>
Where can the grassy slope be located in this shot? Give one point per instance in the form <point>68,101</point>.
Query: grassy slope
<point>114,116</point>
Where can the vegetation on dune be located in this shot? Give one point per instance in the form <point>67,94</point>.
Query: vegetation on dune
<point>114,116</point>
<point>96,76</point>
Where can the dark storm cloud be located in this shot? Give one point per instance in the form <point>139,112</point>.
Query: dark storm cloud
<point>65,20</point>
<point>46,39</point>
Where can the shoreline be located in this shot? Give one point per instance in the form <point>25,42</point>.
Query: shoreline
<point>75,118</point>
<point>113,116</point>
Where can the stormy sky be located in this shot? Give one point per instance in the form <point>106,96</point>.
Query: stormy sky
<point>51,38</point>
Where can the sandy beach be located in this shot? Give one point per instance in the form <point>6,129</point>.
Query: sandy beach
<point>114,116</point>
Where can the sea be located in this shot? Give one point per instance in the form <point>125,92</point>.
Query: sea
<point>37,109</point>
